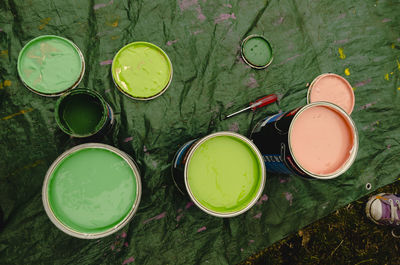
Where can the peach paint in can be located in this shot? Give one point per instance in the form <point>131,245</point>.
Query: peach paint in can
<point>316,141</point>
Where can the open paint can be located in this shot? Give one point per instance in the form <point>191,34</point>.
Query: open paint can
<point>332,88</point>
<point>256,51</point>
<point>83,113</point>
<point>50,65</point>
<point>142,70</point>
<point>317,141</point>
<point>91,191</point>
<point>223,173</point>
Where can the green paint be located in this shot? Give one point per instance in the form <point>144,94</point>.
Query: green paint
<point>81,113</point>
<point>92,190</point>
<point>224,174</point>
<point>141,70</point>
<point>257,51</point>
<point>50,64</point>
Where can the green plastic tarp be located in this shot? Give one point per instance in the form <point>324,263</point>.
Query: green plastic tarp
<point>359,40</point>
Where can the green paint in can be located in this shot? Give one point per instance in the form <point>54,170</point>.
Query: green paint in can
<point>257,51</point>
<point>142,70</point>
<point>224,174</point>
<point>50,65</point>
<point>91,190</point>
<point>83,113</point>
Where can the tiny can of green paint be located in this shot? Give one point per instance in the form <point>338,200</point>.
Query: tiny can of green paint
<point>183,156</point>
<point>268,52</point>
<point>27,51</point>
<point>94,115</point>
<point>126,160</point>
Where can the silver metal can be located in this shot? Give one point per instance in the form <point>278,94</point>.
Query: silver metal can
<point>75,202</point>
<point>180,171</point>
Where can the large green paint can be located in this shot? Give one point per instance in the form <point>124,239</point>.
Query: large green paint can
<point>92,190</point>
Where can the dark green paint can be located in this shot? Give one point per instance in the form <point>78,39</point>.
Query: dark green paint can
<point>83,113</point>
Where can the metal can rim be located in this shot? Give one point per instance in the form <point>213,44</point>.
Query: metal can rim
<point>332,74</point>
<point>354,150</point>
<point>110,231</point>
<point>81,91</point>
<point>260,160</point>
<point>139,98</point>
<point>244,57</point>
<point>77,82</point>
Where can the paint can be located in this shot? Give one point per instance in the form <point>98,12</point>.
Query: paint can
<point>316,141</point>
<point>332,88</point>
<point>50,65</point>
<point>256,51</point>
<point>142,70</point>
<point>223,173</point>
<point>83,113</point>
<point>91,191</point>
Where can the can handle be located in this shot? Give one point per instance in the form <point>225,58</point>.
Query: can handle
<point>295,170</point>
<point>283,132</point>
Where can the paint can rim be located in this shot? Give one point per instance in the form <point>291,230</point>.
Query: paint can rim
<point>92,93</point>
<point>83,66</point>
<point>261,162</point>
<point>337,76</point>
<point>258,67</point>
<point>118,226</point>
<point>354,149</point>
<point>169,64</point>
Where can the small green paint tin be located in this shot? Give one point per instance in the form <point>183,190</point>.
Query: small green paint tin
<point>142,70</point>
<point>91,191</point>
<point>50,65</point>
<point>83,113</point>
<point>256,51</point>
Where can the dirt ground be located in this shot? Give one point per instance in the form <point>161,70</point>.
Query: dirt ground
<point>346,236</point>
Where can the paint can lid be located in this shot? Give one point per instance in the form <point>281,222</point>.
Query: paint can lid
<point>142,70</point>
<point>256,51</point>
<point>50,65</point>
<point>332,88</point>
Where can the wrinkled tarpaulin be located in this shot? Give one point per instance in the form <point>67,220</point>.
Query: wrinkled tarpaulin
<point>357,39</point>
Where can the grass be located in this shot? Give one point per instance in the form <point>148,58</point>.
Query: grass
<point>346,236</point>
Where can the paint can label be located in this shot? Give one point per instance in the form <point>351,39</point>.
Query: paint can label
<point>178,165</point>
<point>270,135</point>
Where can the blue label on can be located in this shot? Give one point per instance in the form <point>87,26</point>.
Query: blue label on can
<point>181,153</point>
<point>110,114</point>
<point>275,164</point>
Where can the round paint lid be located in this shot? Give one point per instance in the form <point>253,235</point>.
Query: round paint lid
<point>81,113</point>
<point>332,88</point>
<point>225,174</point>
<point>142,70</point>
<point>49,65</point>
<point>257,51</point>
<point>90,191</point>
